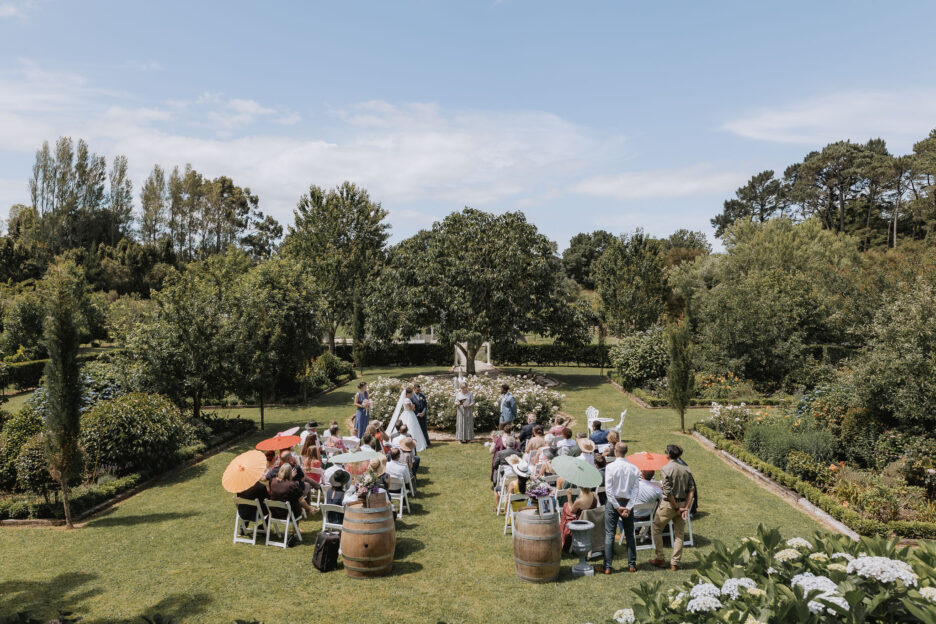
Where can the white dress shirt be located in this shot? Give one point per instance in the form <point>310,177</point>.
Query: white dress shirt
<point>397,470</point>
<point>648,492</point>
<point>622,480</point>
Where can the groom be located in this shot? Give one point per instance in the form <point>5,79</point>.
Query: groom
<point>421,404</point>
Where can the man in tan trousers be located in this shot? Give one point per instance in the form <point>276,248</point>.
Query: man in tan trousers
<point>678,492</point>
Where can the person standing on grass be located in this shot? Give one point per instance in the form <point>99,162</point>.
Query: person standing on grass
<point>678,492</point>
<point>362,415</point>
<point>422,406</point>
<point>508,406</point>
<point>622,485</point>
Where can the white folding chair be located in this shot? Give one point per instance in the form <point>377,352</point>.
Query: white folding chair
<point>328,507</point>
<point>686,542</point>
<point>259,521</point>
<point>411,483</point>
<point>316,493</point>
<point>286,523</point>
<point>551,479</point>
<point>639,524</point>
<point>396,488</point>
<point>509,515</point>
<point>503,480</point>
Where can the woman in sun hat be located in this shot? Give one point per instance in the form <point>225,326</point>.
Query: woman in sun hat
<point>588,450</point>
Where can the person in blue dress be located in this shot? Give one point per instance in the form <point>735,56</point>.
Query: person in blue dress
<point>362,415</point>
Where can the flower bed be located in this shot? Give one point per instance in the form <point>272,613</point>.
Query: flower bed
<point>440,393</point>
<point>828,578</point>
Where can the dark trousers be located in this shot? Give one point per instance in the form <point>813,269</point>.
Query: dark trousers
<point>611,522</point>
<point>422,425</point>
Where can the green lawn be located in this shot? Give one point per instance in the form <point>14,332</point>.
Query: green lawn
<point>169,548</point>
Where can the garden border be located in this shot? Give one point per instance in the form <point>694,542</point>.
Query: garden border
<point>641,403</point>
<point>80,520</point>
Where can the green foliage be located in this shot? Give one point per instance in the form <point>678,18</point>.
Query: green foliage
<point>17,430</point>
<point>760,199</point>
<point>528,354</point>
<point>22,326</point>
<point>805,466</point>
<point>324,371</point>
<point>773,442</point>
<point>32,467</point>
<point>639,357</point>
<point>401,354</point>
<point>679,375</point>
<point>629,279</point>
<point>134,433</point>
<point>919,468</point>
<point>578,260</point>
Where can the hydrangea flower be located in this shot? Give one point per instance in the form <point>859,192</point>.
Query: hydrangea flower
<point>732,586</point>
<point>756,591</point>
<point>704,604</point>
<point>809,581</point>
<point>798,542</point>
<point>818,556</point>
<point>705,590</point>
<point>771,570</point>
<point>843,555</point>
<point>753,620</point>
<point>624,616</point>
<point>676,602</point>
<point>838,567</point>
<point>816,607</point>
<point>883,569</point>
<point>787,554</point>
<point>929,593</point>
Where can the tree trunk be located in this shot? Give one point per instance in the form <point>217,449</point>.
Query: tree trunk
<point>261,410</point>
<point>66,504</point>
<point>470,350</point>
<point>196,403</point>
<point>330,338</point>
<point>682,420</point>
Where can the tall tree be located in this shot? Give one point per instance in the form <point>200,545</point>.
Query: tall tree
<point>339,237</point>
<point>760,199</point>
<point>120,200</point>
<point>154,201</point>
<point>63,283</point>
<point>474,276</point>
<point>679,375</point>
<point>579,258</point>
<point>630,280</point>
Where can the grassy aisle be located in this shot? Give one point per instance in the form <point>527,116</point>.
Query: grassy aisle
<point>169,548</point>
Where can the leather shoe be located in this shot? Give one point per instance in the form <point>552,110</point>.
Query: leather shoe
<point>606,570</point>
<point>673,568</point>
<point>632,569</point>
<point>657,562</point>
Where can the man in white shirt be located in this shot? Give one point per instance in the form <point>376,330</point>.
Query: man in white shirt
<point>622,487</point>
<point>396,468</point>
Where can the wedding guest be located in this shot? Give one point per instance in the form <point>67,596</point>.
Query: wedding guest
<point>649,492</point>
<point>526,431</point>
<point>464,414</point>
<point>613,439</point>
<point>510,448</point>
<point>497,443</point>
<point>311,460</point>
<point>397,469</point>
<point>422,407</point>
<point>311,428</point>
<point>621,486</point>
<point>678,492</point>
<point>272,465</point>
<point>408,454</point>
<point>573,511</point>
<point>587,447</point>
<point>257,492</point>
<point>284,487</point>
<point>362,406</point>
<point>535,443</point>
<point>566,444</point>
<point>599,435</point>
<point>558,425</point>
<point>601,463</point>
<point>339,481</point>
<point>334,440</point>
<point>508,405</point>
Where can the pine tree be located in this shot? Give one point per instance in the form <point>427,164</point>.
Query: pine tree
<point>63,385</point>
<point>679,373</point>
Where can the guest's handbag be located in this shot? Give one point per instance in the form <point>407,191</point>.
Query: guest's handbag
<point>325,556</point>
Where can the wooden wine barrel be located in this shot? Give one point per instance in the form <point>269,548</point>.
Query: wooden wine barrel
<point>368,539</point>
<point>537,546</point>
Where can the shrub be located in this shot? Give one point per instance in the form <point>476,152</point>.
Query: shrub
<point>729,420</point>
<point>416,354</point>
<point>639,357</point>
<point>18,429</point>
<point>858,436</point>
<point>725,387</point>
<point>805,466</point>
<point>773,442</point>
<point>135,432</point>
<point>920,465</point>
<point>526,354</point>
<point>32,467</point>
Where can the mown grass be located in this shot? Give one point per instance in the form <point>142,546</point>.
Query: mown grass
<point>169,548</point>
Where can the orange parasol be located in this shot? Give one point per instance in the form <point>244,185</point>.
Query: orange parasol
<point>648,461</point>
<point>243,471</point>
<point>278,442</point>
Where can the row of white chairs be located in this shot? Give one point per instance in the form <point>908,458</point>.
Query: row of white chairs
<point>264,522</point>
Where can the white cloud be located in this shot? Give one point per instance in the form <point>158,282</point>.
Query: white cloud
<point>15,9</point>
<point>900,117</point>
<point>701,179</point>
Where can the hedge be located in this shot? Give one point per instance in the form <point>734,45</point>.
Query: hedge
<point>405,354</point>
<point>27,374</point>
<point>655,401</point>
<point>524,354</point>
<point>829,504</point>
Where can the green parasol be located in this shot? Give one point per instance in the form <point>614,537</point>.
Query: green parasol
<point>364,455</point>
<point>576,471</point>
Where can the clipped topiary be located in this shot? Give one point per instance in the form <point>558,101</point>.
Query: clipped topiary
<point>17,430</point>
<point>134,433</point>
<point>32,468</point>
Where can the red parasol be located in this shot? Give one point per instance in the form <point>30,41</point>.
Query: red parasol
<point>648,461</point>
<point>278,443</point>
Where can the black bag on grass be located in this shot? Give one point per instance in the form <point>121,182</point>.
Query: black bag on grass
<point>325,557</point>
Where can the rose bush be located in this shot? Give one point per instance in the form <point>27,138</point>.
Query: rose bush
<point>440,394</point>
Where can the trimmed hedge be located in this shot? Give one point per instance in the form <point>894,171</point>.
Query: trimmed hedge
<point>655,401</point>
<point>25,375</point>
<point>523,354</point>
<point>829,504</point>
<point>406,354</point>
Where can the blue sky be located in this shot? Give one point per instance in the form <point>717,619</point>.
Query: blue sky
<point>612,115</point>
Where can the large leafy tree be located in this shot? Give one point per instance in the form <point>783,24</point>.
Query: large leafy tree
<point>63,287</point>
<point>338,237</point>
<point>630,280</point>
<point>579,258</point>
<point>475,276</point>
<point>760,199</point>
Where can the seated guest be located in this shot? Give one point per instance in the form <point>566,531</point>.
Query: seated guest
<point>599,435</point>
<point>370,441</point>
<point>334,440</point>
<point>526,432</point>
<point>378,466</point>
<point>558,425</point>
<point>272,465</point>
<point>573,511</point>
<point>523,471</point>
<point>536,442</point>
<point>339,481</point>
<point>648,492</point>
<point>587,447</point>
<point>396,468</point>
<point>544,468</point>
<point>601,463</point>
<point>311,459</point>
<point>311,429</point>
<point>566,444</point>
<point>258,492</point>
<point>613,438</point>
<point>510,448</point>
<point>284,487</point>
<point>408,454</point>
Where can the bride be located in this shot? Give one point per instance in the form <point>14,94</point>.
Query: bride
<point>408,417</point>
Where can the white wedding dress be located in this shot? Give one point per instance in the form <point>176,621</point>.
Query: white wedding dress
<point>408,418</point>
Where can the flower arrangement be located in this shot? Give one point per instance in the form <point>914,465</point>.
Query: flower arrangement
<point>538,489</point>
<point>367,483</point>
<point>440,395</point>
